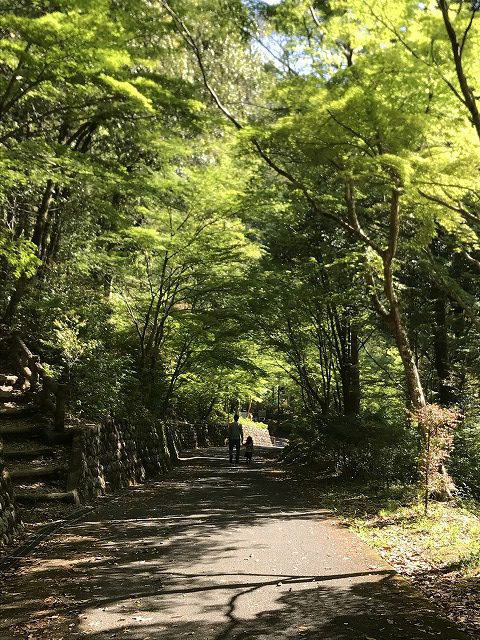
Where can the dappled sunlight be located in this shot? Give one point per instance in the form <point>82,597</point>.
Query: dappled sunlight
<point>208,554</point>
<point>63,564</point>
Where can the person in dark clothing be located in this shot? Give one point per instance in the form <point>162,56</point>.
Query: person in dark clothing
<point>235,436</point>
<point>271,433</point>
<point>248,449</point>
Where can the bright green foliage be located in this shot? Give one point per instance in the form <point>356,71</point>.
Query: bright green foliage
<point>122,197</point>
<point>326,244</point>
<point>371,101</point>
<point>18,254</point>
<point>175,273</point>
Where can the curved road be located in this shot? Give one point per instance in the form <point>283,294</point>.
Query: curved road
<point>218,552</point>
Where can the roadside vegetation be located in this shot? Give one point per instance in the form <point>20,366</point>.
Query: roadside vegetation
<point>208,206</point>
<point>438,552</point>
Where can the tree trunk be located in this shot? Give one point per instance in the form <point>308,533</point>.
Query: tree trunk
<point>42,216</point>
<point>352,393</point>
<point>469,98</point>
<point>345,335</point>
<point>38,234</point>
<point>412,377</point>
<point>15,298</point>
<point>441,353</point>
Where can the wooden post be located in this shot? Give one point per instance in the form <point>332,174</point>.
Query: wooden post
<point>60,403</point>
<point>22,364</point>
<point>32,365</point>
<point>43,397</point>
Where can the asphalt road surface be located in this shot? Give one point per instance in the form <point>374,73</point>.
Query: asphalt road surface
<point>218,552</point>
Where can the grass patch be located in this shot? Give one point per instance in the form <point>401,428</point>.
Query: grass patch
<point>247,422</point>
<point>446,539</point>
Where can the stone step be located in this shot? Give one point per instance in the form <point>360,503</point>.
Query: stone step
<point>5,389</point>
<point>8,379</point>
<point>260,437</point>
<point>34,473</point>
<point>27,452</point>
<point>42,495</point>
<point>8,394</point>
<point>13,410</point>
<point>22,429</point>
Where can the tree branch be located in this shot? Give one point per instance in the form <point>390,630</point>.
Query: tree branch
<point>190,40</point>
<point>314,16</point>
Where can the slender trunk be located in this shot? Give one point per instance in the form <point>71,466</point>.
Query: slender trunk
<point>15,297</point>
<point>441,352</point>
<point>13,81</point>
<point>345,335</point>
<point>45,242</point>
<point>390,313</point>
<point>42,216</point>
<point>54,245</point>
<point>412,377</point>
<point>209,410</point>
<point>182,360</point>
<point>469,98</point>
<point>352,392</point>
<point>23,226</point>
<point>396,326</point>
<point>394,317</point>
<point>40,223</point>
<point>107,285</point>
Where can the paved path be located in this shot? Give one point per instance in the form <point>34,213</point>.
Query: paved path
<point>215,552</point>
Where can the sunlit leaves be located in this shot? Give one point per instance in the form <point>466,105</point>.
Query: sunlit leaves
<point>19,254</point>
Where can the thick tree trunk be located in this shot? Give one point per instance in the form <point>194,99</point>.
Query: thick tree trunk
<point>389,313</point>
<point>413,383</point>
<point>393,316</point>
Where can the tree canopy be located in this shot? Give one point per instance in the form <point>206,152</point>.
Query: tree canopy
<point>211,204</point>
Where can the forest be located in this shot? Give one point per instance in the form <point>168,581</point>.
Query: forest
<point>213,204</point>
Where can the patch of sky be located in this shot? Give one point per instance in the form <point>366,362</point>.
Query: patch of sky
<point>273,49</point>
<point>291,54</point>
<point>272,3</point>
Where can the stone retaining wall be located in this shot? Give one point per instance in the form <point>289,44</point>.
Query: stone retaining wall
<point>9,519</point>
<point>192,436</point>
<point>107,457</point>
<point>118,453</point>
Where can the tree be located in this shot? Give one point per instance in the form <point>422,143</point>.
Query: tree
<point>72,79</point>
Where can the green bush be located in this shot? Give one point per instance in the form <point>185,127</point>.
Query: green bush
<point>464,464</point>
<point>362,448</point>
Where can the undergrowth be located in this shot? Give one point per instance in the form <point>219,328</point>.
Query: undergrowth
<point>394,521</point>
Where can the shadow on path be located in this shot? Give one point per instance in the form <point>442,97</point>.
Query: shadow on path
<point>216,551</point>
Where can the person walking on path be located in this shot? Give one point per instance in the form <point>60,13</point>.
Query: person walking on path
<point>248,449</point>
<point>271,433</point>
<point>235,434</point>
